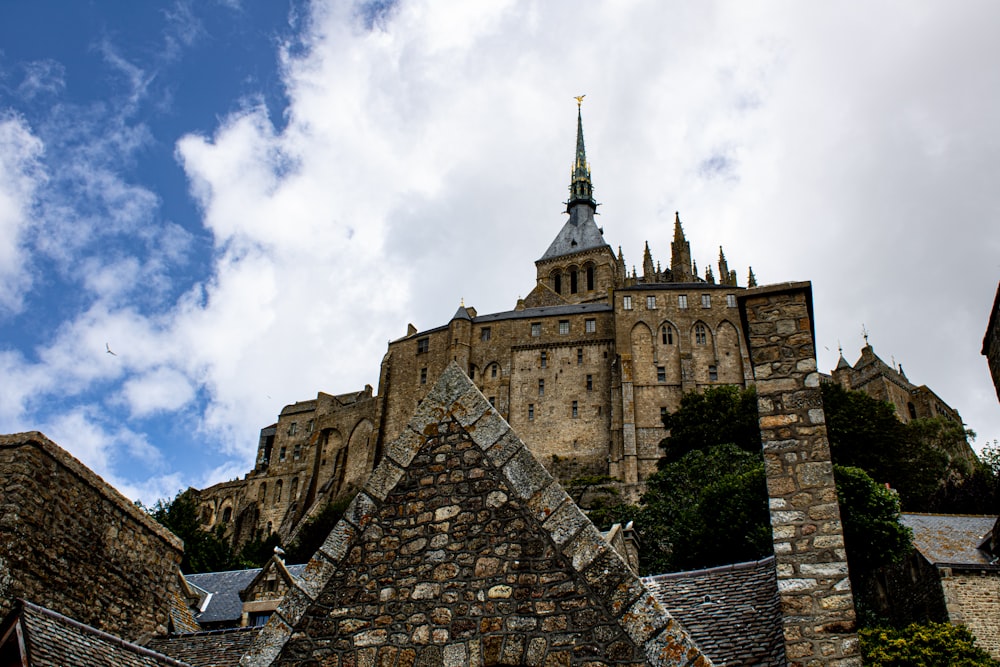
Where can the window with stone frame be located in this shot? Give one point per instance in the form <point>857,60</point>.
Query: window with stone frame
<point>536,329</point>
<point>590,383</point>
<point>576,411</point>
<point>543,359</point>
<point>423,376</point>
<point>423,345</point>
<point>682,301</point>
<point>706,300</point>
<point>531,411</point>
<point>579,356</point>
<point>494,369</point>
<point>541,387</point>
<point>590,325</point>
<point>627,302</point>
<point>292,428</point>
<point>730,300</point>
<point>713,373</point>
<point>667,334</point>
<point>650,303</point>
<point>661,373</point>
<point>563,327</point>
<point>484,334</point>
<point>700,334</point>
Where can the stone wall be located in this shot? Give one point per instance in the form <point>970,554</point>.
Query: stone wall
<point>816,599</point>
<point>70,542</point>
<point>973,599</point>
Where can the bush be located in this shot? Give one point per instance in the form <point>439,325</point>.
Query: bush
<point>923,645</point>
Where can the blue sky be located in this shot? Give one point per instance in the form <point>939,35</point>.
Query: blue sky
<point>246,200</point>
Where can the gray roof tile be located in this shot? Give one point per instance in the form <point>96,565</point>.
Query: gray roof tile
<point>950,538</point>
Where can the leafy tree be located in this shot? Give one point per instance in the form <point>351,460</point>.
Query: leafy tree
<point>975,493</point>
<point>204,551</point>
<point>315,531</point>
<point>923,645</point>
<point>869,515</point>
<point>720,415</point>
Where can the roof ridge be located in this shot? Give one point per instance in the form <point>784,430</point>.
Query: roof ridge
<point>745,565</point>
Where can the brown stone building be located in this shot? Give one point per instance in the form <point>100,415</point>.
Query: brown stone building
<point>584,368</point>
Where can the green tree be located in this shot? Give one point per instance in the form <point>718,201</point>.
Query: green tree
<point>923,645</point>
<point>204,551</point>
<point>869,514</point>
<point>720,415</point>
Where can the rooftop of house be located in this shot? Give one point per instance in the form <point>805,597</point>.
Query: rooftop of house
<point>952,539</point>
<point>217,648</point>
<point>221,592</point>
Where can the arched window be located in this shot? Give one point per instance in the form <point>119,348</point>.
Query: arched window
<point>700,337</point>
<point>590,278</point>
<point>227,514</point>
<point>277,493</point>
<point>667,334</point>
<point>572,281</point>
<point>557,283</point>
<point>262,493</point>
<point>293,490</point>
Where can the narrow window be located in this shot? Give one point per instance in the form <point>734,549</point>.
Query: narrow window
<point>536,329</point>
<point>713,373</point>
<point>650,303</point>
<point>627,302</point>
<point>541,387</point>
<point>297,452</point>
<point>590,383</point>
<point>563,327</point>
<point>227,514</point>
<point>423,344</point>
<point>706,300</point>
<point>913,410</point>
<point>663,415</point>
<point>472,372</point>
<point>277,493</point>
<point>281,454</point>
<point>484,335</point>
<point>668,335</point>
<point>423,376</point>
<point>590,278</point>
<point>544,359</point>
<point>700,336</point>
<point>572,282</point>
<point>730,300</point>
<point>682,301</point>
<point>292,428</point>
<point>661,373</point>
<point>531,411</point>
<point>493,401</point>
<point>557,283</point>
<point>576,412</point>
<point>590,325</point>
<point>579,356</point>
<point>493,370</point>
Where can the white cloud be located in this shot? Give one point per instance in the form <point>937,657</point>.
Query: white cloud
<point>20,175</point>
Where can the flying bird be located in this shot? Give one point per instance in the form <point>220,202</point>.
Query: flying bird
<point>108,347</point>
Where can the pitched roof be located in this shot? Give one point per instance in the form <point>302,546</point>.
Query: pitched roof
<point>732,612</point>
<point>224,587</point>
<point>217,648</point>
<point>579,233</point>
<point>504,535</point>
<point>53,639</point>
<point>950,539</point>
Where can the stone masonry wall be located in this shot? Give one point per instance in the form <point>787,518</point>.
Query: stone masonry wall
<point>973,599</point>
<point>813,583</point>
<point>70,542</point>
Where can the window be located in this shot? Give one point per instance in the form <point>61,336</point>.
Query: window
<point>627,302</point>
<point>650,303</point>
<point>572,281</point>
<point>531,412</point>
<point>544,359</point>
<point>913,410</point>
<point>713,373</point>
<point>730,300</point>
<point>281,454</point>
<point>536,329</point>
<point>472,372</point>
<point>590,325</point>
<point>700,335</point>
<point>493,370</point>
<point>576,410</point>
<point>297,451</point>
<point>663,415</point>
<point>423,344</point>
<point>227,514</point>
<point>557,283</point>
<point>667,335</point>
<point>706,300</point>
<point>258,619</point>
<point>590,278</point>
<point>661,373</point>
<point>292,428</point>
<point>423,376</point>
<point>277,493</point>
<point>682,301</point>
<point>493,401</point>
<point>484,335</point>
<point>563,327</point>
<point>579,356</point>
<point>309,426</point>
<point>590,383</point>
<point>541,387</point>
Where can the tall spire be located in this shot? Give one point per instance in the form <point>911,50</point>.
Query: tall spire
<point>581,189</point>
<point>680,254</point>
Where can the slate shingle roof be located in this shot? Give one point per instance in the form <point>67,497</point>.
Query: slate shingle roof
<point>732,612</point>
<point>579,233</point>
<point>224,587</point>
<point>950,538</point>
<point>219,648</point>
<point>53,639</point>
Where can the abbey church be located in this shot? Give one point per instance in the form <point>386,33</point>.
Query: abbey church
<point>584,367</point>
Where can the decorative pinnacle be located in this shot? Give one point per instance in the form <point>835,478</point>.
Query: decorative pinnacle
<point>581,189</point>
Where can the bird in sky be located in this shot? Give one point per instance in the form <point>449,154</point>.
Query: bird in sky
<point>108,347</point>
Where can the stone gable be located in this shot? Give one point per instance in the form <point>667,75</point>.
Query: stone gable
<point>462,550</point>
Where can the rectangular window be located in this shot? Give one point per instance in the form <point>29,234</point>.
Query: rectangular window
<point>661,373</point>
<point>536,329</point>
<point>531,411</point>
<point>493,370</point>
<point>650,303</point>
<point>484,335</point>
<point>493,401</point>
<point>730,300</point>
<point>541,387</point>
<point>667,334</point>
<point>706,300</point>
<point>663,415</point>
<point>627,302</point>
<point>544,359</point>
<point>423,376</point>
<point>563,327</point>
<point>682,301</point>
<point>292,428</point>
<point>579,356</point>
<point>297,451</point>
<point>423,344</point>
<point>281,454</point>
<point>309,426</point>
<point>576,412</point>
<point>713,373</point>
<point>590,383</point>
<point>590,326</point>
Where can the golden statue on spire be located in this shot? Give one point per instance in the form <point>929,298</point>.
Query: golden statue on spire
<point>579,100</point>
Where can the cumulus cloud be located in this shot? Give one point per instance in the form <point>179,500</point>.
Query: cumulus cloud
<point>20,174</point>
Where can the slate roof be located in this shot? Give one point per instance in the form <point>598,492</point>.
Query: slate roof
<point>54,639</point>
<point>225,587</point>
<point>732,612</point>
<point>219,648</point>
<point>545,311</point>
<point>951,539</point>
<point>578,234</point>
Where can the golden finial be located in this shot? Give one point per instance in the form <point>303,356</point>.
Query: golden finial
<point>462,302</point>
<point>579,100</point>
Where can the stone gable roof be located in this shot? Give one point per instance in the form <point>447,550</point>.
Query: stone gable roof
<point>733,612</point>
<point>216,648</point>
<point>462,549</point>
<point>950,539</point>
<point>53,639</point>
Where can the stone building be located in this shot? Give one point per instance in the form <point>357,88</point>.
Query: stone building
<point>584,367</point>
<point>991,342</point>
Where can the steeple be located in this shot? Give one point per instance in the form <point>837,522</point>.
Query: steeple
<point>581,189</point>
<point>751,279</point>
<point>648,272</point>
<point>680,254</point>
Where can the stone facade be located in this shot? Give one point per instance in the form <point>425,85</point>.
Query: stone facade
<point>72,543</point>
<point>991,342</point>
<point>973,600</point>
<point>462,550</point>
<point>816,599</point>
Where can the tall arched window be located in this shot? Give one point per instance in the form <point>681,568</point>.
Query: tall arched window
<point>590,278</point>
<point>700,336</point>
<point>557,283</point>
<point>277,493</point>
<point>572,281</point>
